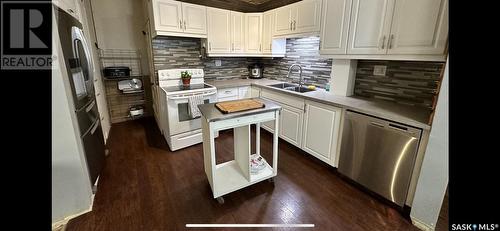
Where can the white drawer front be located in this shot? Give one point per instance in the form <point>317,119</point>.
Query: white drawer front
<point>227,92</point>
<point>283,98</point>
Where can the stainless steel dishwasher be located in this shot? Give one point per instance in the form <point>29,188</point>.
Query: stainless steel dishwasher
<point>379,154</point>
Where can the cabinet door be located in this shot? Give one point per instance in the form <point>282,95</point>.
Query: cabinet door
<point>291,124</point>
<point>419,27</point>
<point>253,26</point>
<point>283,21</point>
<point>306,16</point>
<point>219,31</point>
<point>370,26</point>
<point>335,26</point>
<point>244,92</point>
<point>168,15</point>
<point>321,130</point>
<point>237,32</point>
<point>267,31</point>
<point>194,18</point>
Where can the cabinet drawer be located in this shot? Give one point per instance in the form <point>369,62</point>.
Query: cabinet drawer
<point>283,98</point>
<point>227,92</point>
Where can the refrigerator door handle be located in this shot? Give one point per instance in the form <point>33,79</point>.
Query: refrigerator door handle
<point>94,128</point>
<point>77,33</point>
<point>91,105</point>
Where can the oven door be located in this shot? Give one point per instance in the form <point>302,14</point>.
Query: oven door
<point>179,118</point>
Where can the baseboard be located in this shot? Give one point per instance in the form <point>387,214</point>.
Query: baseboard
<point>421,225</point>
<point>61,225</point>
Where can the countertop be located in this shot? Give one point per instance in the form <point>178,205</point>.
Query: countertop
<point>211,113</point>
<point>404,114</point>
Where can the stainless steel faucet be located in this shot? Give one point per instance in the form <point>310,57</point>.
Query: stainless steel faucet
<point>300,73</point>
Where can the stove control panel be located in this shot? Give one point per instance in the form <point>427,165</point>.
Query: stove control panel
<point>176,73</point>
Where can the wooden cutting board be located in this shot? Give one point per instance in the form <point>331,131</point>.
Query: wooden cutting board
<point>239,105</point>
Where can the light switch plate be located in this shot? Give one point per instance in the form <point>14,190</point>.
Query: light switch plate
<point>218,63</point>
<point>379,70</point>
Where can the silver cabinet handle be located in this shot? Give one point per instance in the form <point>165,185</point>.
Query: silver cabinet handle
<point>294,22</point>
<point>390,41</point>
<point>260,47</point>
<point>180,24</point>
<point>383,42</point>
<point>291,23</point>
<point>184,24</point>
<point>228,91</point>
<point>209,47</point>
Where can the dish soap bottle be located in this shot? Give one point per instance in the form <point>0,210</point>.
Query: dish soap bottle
<point>327,87</point>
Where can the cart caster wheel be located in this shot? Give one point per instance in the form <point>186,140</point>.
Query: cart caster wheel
<point>220,200</point>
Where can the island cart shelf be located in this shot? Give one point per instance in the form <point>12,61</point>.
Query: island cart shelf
<point>233,175</point>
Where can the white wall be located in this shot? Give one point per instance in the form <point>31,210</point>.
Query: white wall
<point>71,189</point>
<point>433,180</point>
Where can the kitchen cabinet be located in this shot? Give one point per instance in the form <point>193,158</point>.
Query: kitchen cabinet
<point>219,30</point>
<point>173,18</point>
<point>267,31</point>
<point>370,26</point>
<point>233,93</point>
<point>253,31</point>
<point>254,92</point>
<point>72,7</point>
<point>398,27</point>
<point>237,32</point>
<point>419,27</point>
<point>298,19</point>
<point>321,131</point>
<point>335,26</point>
<point>244,93</point>
<point>291,124</point>
<point>194,18</point>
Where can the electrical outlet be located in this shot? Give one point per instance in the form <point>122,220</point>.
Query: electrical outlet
<point>379,70</point>
<point>218,63</point>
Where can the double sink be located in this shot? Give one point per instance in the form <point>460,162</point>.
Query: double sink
<point>291,87</point>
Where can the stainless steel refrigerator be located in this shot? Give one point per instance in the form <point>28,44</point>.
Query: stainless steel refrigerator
<point>78,59</point>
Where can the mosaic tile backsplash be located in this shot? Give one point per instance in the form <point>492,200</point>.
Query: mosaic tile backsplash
<point>177,52</point>
<point>405,82</point>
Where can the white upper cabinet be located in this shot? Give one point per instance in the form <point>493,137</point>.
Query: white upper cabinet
<point>404,29</point>
<point>370,26</point>
<point>267,31</point>
<point>253,26</point>
<point>237,32</point>
<point>219,30</point>
<point>419,27</point>
<point>173,18</point>
<point>299,18</point>
<point>194,18</point>
<point>306,16</point>
<point>335,26</point>
<point>168,15</point>
<point>283,21</point>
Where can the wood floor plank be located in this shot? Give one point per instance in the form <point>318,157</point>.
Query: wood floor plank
<point>145,186</point>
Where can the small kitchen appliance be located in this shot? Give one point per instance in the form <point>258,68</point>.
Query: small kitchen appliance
<point>255,71</point>
<point>116,72</point>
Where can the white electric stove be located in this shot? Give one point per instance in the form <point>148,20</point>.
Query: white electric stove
<point>179,128</point>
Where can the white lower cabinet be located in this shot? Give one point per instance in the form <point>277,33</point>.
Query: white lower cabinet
<point>321,131</point>
<point>291,124</point>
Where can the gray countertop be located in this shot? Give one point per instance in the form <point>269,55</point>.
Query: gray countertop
<point>408,115</point>
<point>211,113</point>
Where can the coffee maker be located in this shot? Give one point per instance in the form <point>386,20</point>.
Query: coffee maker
<point>255,71</point>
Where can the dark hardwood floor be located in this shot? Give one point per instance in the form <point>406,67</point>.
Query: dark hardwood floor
<point>144,186</point>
